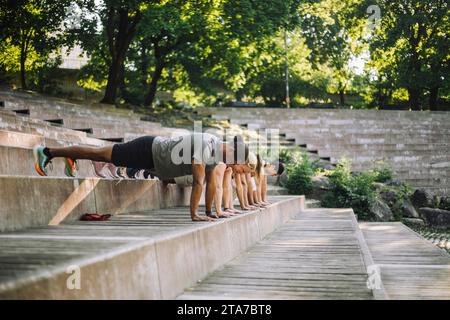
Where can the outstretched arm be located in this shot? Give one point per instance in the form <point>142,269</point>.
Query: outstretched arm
<point>264,188</point>
<point>248,180</point>
<point>198,172</point>
<point>210,190</point>
<point>227,197</point>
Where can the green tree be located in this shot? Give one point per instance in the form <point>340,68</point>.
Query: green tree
<point>412,41</point>
<point>333,33</point>
<point>206,43</point>
<point>32,29</point>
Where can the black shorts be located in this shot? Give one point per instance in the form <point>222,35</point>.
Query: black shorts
<point>135,154</point>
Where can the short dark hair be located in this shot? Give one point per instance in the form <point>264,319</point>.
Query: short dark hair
<point>239,144</point>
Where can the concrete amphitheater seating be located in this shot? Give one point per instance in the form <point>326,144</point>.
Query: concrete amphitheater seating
<point>150,249</point>
<point>415,145</point>
<point>40,229</point>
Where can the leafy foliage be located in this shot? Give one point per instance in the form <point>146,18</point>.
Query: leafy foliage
<point>200,52</point>
<point>300,170</point>
<point>356,191</point>
<point>31,33</point>
<point>383,174</point>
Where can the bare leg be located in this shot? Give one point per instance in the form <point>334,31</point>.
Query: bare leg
<point>240,190</point>
<point>88,153</point>
<point>210,191</point>
<point>264,190</point>
<point>227,197</point>
<point>218,173</point>
<point>227,188</point>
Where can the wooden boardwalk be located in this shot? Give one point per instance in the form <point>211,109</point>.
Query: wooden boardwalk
<point>316,255</point>
<point>410,266</point>
<point>145,255</point>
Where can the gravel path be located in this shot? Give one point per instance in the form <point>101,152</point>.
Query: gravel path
<point>440,238</point>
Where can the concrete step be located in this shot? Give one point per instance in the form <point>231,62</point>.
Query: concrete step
<point>276,190</point>
<point>350,125</point>
<point>438,172</point>
<point>39,201</point>
<point>357,127</point>
<point>150,255</point>
<point>19,161</point>
<point>255,113</point>
<point>318,254</point>
<point>38,127</point>
<point>332,120</point>
<point>426,181</point>
<point>409,266</point>
<point>102,126</point>
<point>16,155</point>
<point>420,160</point>
<point>36,102</point>
<point>318,142</point>
<point>388,154</point>
<point>358,147</point>
<point>312,203</point>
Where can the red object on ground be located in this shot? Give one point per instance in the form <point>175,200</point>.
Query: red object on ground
<point>95,217</point>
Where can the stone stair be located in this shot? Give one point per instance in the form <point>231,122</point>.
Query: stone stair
<point>414,144</point>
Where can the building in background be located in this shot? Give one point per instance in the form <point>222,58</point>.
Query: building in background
<point>73,59</point>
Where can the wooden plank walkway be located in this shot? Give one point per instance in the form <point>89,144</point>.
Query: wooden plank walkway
<point>410,266</point>
<point>34,262</point>
<point>316,255</point>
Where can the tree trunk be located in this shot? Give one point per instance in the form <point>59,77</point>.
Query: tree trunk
<point>121,85</point>
<point>150,97</point>
<point>414,89</point>
<point>118,43</point>
<point>342,97</point>
<point>113,82</point>
<point>414,98</point>
<point>144,64</point>
<point>434,95</point>
<point>23,58</point>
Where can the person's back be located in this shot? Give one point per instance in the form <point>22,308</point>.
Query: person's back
<point>173,156</point>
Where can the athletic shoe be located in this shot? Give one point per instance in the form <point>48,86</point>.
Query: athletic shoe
<point>132,173</point>
<point>70,167</point>
<point>99,169</point>
<point>122,172</point>
<point>41,160</point>
<point>111,171</point>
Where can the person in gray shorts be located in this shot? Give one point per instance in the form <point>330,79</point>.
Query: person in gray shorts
<point>195,154</point>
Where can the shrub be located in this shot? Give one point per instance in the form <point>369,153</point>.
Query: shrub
<point>300,173</point>
<point>383,174</point>
<point>351,190</point>
<point>285,155</point>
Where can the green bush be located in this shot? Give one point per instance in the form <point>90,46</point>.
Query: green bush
<point>351,190</point>
<point>383,174</point>
<point>300,173</point>
<point>285,155</point>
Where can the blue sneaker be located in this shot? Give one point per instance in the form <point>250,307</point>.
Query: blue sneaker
<point>40,160</point>
<point>70,167</point>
